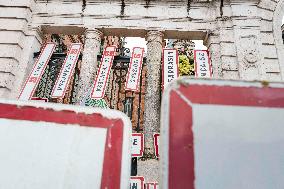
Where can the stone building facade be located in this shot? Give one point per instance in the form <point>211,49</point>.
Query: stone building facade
<point>244,38</point>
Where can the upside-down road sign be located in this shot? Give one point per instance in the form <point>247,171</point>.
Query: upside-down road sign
<point>222,134</point>
<point>137,182</point>
<point>45,145</point>
<point>137,144</point>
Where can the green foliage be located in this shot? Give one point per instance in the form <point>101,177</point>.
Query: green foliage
<point>99,103</point>
<point>186,65</point>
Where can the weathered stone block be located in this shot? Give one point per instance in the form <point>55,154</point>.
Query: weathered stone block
<point>15,12</point>
<point>267,4</point>
<point>10,51</point>
<point>7,80</point>
<point>230,74</point>
<point>244,9</point>
<point>266,26</point>
<point>16,3</point>
<point>269,51</point>
<point>13,24</point>
<point>8,65</point>
<point>12,37</point>
<point>267,38</point>
<point>272,77</point>
<point>229,63</point>
<point>228,49</point>
<point>227,35</point>
<point>265,14</point>
<point>246,22</point>
<point>271,65</point>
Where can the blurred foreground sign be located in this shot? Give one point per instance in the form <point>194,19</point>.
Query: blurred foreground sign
<point>222,134</point>
<point>59,146</point>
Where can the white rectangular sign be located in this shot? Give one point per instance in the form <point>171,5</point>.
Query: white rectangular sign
<point>66,71</point>
<point>102,77</point>
<point>137,146</point>
<point>137,182</point>
<point>38,69</point>
<point>202,64</point>
<point>63,146</point>
<point>170,65</point>
<point>134,72</point>
<point>206,146</point>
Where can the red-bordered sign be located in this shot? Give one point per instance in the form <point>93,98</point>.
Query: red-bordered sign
<point>170,66</point>
<point>80,124</point>
<point>151,185</point>
<point>137,147</point>
<point>217,134</point>
<point>134,71</point>
<point>40,99</point>
<point>156,144</point>
<point>37,71</point>
<point>102,77</point>
<point>202,64</point>
<point>66,71</point>
<point>137,182</point>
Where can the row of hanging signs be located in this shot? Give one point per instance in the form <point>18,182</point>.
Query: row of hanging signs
<point>203,68</point>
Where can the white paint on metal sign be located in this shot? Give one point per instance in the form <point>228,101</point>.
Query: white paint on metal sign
<point>233,142</point>
<point>151,185</point>
<point>66,71</point>
<point>137,182</point>
<point>62,146</point>
<point>42,154</point>
<point>170,66</point>
<point>37,71</point>
<point>157,144</point>
<point>202,64</point>
<point>134,72</point>
<point>98,91</point>
<point>137,147</point>
<point>245,151</point>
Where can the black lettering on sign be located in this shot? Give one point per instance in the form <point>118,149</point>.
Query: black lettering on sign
<point>170,59</point>
<point>135,141</point>
<point>133,186</point>
<point>170,69</point>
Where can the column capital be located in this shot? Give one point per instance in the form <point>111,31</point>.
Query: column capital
<point>93,34</point>
<point>154,34</point>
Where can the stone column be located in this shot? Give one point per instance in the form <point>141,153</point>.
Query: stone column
<point>89,62</point>
<point>153,88</point>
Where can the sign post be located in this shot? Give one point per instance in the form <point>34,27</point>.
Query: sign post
<point>66,71</point>
<point>202,64</point>
<point>222,134</point>
<point>170,66</point>
<point>134,72</point>
<point>37,71</point>
<point>102,77</point>
<point>45,145</point>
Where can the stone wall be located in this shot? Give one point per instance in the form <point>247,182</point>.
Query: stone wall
<point>18,41</point>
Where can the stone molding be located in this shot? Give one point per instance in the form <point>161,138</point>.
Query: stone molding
<point>93,34</point>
